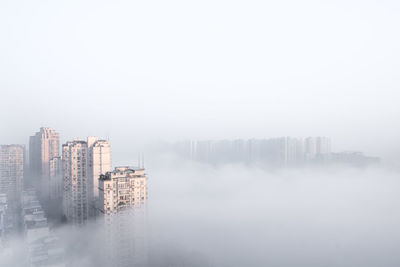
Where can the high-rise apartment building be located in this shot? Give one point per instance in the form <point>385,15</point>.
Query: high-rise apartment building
<point>99,162</point>
<point>12,159</point>
<point>75,181</point>
<point>317,147</point>
<point>43,147</point>
<point>122,201</point>
<point>323,145</point>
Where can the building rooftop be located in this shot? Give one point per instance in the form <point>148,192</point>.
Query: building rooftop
<point>121,170</point>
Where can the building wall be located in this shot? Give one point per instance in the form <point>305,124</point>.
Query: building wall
<point>43,147</point>
<point>11,169</point>
<point>122,201</point>
<point>100,163</point>
<point>75,182</point>
<point>56,178</point>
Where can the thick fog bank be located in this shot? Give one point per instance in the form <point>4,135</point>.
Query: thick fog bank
<point>199,215</point>
<point>236,216</point>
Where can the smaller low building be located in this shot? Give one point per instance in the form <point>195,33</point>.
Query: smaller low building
<point>43,248</point>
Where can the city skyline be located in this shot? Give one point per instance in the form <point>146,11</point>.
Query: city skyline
<point>51,189</point>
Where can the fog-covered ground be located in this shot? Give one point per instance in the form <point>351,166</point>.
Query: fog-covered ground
<point>200,215</point>
<point>236,216</point>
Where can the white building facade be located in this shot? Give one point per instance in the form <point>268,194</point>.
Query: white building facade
<point>122,203</point>
<point>75,182</point>
<point>12,161</point>
<point>99,163</point>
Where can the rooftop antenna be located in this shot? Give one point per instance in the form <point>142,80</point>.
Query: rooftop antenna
<point>142,160</point>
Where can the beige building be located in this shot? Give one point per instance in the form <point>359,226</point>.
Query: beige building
<point>12,159</point>
<point>122,202</point>
<point>122,188</point>
<point>43,147</point>
<point>75,182</point>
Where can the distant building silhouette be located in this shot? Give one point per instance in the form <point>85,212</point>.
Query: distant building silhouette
<point>283,151</point>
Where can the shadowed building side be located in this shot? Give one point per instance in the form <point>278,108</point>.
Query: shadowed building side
<point>44,146</point>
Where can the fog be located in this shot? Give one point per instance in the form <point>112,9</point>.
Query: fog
<point>199,215</point>
<point>235,216</point>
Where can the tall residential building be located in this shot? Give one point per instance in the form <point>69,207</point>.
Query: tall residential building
<point>310,148</point>
<point>122,201</point>
<point>12,158</point>
<point>99,162</point>
<point>323,145</point>
<point>75,181</point>
<point>43,147</point>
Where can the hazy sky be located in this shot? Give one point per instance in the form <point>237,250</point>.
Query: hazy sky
<point>140,70</point>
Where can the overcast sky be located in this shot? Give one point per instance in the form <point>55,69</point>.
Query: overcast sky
<point>143,70</point>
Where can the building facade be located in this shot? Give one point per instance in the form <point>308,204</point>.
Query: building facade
<point>122,203</point>
<point>12,160</point>
<point>75,182</point>
<point>99,163</point>
<point>56,178</point>
<point>43,147</point>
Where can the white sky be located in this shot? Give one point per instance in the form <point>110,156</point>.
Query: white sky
<point>142,70</point>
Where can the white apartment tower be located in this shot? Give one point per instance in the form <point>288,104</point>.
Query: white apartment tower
<point>12,159</point>
<point>99,162</point>
<point>122,201</point>
<point>75,181</point>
